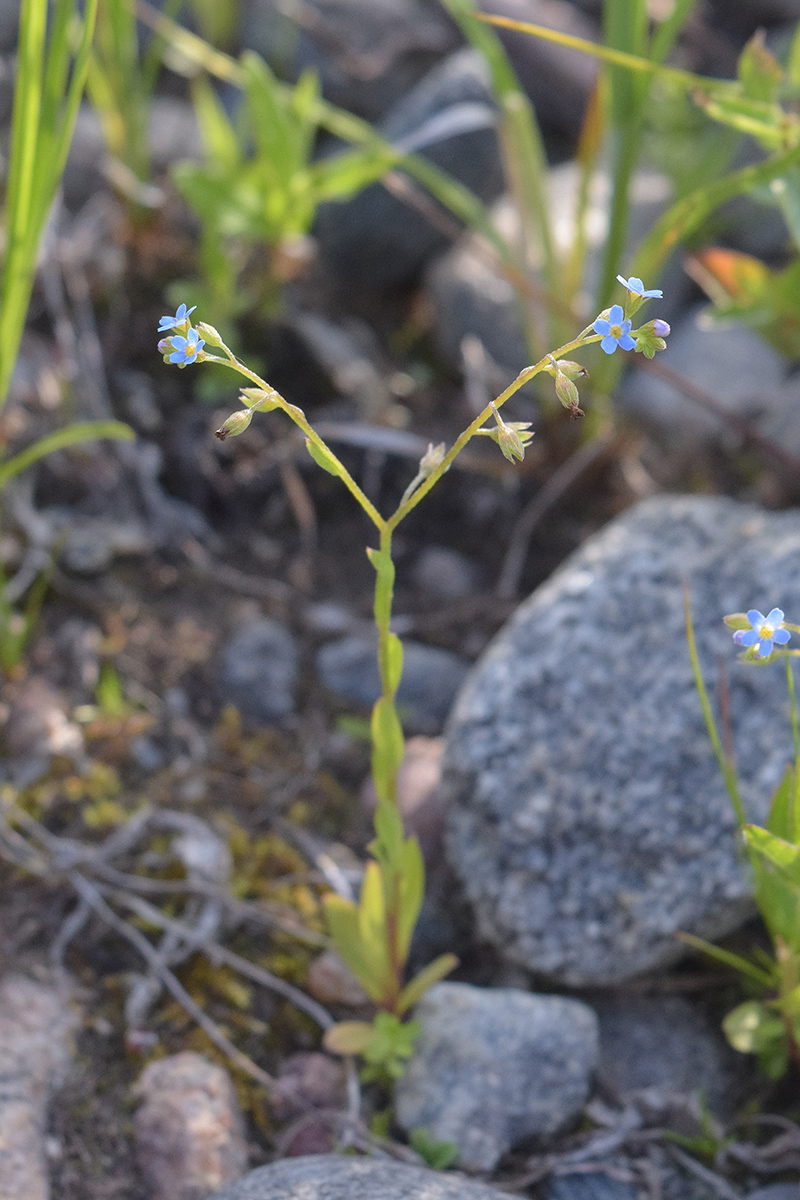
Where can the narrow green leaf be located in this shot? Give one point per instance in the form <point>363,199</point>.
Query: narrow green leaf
<point>784,855</point>
<point>343,922</point>
<point>387,748</point>
<point>411,891</point>
<point>425,979</point>
<point>323,458</point>
<point>394,661</point>
<point>779,821</point>
<point>743,965</point>
<point>70,435</point>
<point>384,589</point>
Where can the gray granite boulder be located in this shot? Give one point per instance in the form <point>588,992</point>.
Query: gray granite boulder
<point>378,241</point>
<point>492,1066</point>
<point>431,679</point>
<point>668,1043</point>
<point>259,671</point>
<point>743,373</point>
<point>587,819</point>
<point>340,1177</point>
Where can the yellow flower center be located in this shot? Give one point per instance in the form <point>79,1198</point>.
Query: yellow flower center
<point>616,331</point>
<point>766,632</point>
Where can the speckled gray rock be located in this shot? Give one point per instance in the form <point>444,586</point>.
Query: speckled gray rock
<point>259,671</point>
<point>666,1042</point>
<point>378,241</point>
<point>738,368</point>
<point>336,1177</point>
<point>494,1065</point>
<point>431,679</point>
<point>189,1129</point>
<point>36,1029</point>
<point>587,818</point>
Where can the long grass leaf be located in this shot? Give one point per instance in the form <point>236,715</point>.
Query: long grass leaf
<point>70,435</point>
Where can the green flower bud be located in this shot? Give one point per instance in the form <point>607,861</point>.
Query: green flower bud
<point>572,370</point>
<point>236,423</point>
<point>209,334</point>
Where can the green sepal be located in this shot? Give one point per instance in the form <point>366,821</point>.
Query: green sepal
<point>323,458</point>
<point>416,988</point>
<point>737,621</point>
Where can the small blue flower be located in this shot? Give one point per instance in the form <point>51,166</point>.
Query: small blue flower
<point>637,287</point>
<point>765,631</point>
<point>616,329</point>
<point>186,349</point>
<point>181,316</point>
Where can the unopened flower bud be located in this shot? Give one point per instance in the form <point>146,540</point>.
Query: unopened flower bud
<point>572,370</point>
<point>165,346</point>
<point>566,391</point>
<point>431,459</point>
<point>660,328</point>
<point>236,423</point>
<point>509,442</point>
<point>209,334</point>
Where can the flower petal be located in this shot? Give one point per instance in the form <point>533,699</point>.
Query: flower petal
<point>775,617</point>
<point>601,325</point>
<point>755,617</point>
<point>746,637</point>
<point>765,648</point>
<point>616,316</point>
<point>781,636</point>
<point>608,344</point>
<point>627,342</point>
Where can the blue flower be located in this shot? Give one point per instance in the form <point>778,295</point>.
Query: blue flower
<point>181,316</point>
<point>765,631</point>
<point>186,349</point>
<point>616,329</point>
<point>637,287</point>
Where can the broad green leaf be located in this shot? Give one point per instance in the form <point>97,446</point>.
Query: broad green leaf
<point>274,126</point>
<point>759,72</point>
<point>753,1028</point>
<point>424,979</point>
<point>219,136</point>
<point>323,458</point>
<point>387,748</point>
<point>348,1037</point>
